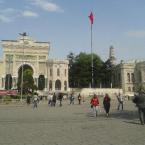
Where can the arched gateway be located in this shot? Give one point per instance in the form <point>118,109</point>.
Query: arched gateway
<point>30,54</point>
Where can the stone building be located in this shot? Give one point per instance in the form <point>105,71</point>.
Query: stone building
<point>28,53</point>
<point>128,75</point>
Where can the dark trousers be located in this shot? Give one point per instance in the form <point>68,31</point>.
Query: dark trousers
<point>107,108</point>
<point>79,101</point>
<point>141,112</point>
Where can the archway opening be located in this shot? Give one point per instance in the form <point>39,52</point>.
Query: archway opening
<point>58,85</point>
<point>25,79</point>
<point>8,82</point>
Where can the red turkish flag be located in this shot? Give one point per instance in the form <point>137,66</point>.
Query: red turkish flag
<point>91,17</point>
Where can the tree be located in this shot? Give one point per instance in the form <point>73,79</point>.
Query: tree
<point>28,81</point>
<point>107,70</point>
<point>140,88</point>
<point>71,58</point>
<point>80,73</point>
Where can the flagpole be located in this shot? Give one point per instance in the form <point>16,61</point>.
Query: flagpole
<point>91,17</point>
<point>92,64</point>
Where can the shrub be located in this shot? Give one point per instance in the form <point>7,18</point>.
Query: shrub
<point>7,99</point>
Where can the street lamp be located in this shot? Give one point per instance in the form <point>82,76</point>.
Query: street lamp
<point>23,35</point>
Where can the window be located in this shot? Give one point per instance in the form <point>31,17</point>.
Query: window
<point>50,85</point>
<point>128,77</point>
<point>129,89</point>
<point>119,78</point>
<point>65,72</point>
<point>50,72</point>
<point>65,85</point>
<point>58,72</point>
<point>132,77</point>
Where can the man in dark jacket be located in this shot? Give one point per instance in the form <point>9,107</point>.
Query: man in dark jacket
<point>139,100</point>
<point>60,97</point>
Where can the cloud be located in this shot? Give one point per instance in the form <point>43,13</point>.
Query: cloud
<point>28,13</point>
<point>136,33</point>
<point>47,6</point>
<point>4,19</point>
<point>8,14</point>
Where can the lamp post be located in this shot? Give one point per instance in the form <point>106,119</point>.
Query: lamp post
<point>23,35</point>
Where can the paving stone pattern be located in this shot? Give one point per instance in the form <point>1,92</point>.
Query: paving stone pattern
<point>70,125</point>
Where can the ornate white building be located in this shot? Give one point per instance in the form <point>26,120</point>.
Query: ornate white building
<point>129,75</point>
<point>26,52</point>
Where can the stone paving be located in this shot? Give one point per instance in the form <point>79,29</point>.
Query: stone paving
<point>69,125</point>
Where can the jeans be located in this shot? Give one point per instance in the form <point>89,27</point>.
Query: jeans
<point>120,104</point>
<point>35,104</point>
<point>95,110</point>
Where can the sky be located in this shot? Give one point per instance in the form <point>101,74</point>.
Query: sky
<point>65,24</point>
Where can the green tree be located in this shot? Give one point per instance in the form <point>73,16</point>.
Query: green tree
<point>71,58</point>
<point>106,75</point>
<point>80,72</point>
<point>28,81</point>
<point>140,88</point>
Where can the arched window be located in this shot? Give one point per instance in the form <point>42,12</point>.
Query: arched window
<point>50,72</point>
<point>58,72</point>
<point>65,72</point>
<point>65,85</point>
<point>58,85</point>
<point>50,85</point>
<point>128,77</point>
<point>41,82</point>
<point>129,89</point>
<point>132,77</point>
<point>8,82</point>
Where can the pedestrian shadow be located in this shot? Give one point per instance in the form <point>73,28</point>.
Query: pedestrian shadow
<point>132,122</point>
<point>128,116</point>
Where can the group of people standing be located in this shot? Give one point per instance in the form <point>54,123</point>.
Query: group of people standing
<point>53,98</point>
<point>72,98</point>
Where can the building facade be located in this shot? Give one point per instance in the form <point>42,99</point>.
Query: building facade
<point>26,52</point>
<point>128,75</point>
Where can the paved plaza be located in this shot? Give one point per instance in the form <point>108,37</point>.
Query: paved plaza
<point>69,125</point>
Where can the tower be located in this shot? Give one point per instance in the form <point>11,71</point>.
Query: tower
<point>112,58</point>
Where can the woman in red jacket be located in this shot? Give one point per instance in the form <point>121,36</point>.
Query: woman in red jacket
<point>95,104</point>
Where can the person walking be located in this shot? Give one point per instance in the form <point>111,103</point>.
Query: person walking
<point>71,98</point>
<point>139,100</point>
<point>35,101</point>
<point>95,104</point>
<point>120,99</point>
<point>50,99</point>
<point>106,103</point>
<point>60,97</point>
<point>53,103</point>
<point>79,99</point>
<point>28,99</point>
